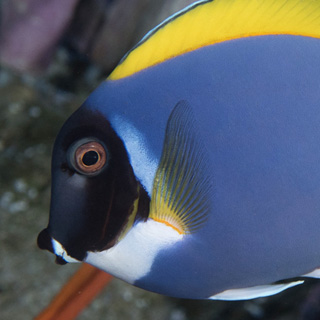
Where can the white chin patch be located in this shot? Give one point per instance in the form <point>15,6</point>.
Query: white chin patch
<point>59,250</point>
<point>132,258</point>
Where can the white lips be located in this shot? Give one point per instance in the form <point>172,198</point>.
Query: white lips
<point>59,250</point>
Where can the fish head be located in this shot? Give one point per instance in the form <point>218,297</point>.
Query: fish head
<point>93,188</point>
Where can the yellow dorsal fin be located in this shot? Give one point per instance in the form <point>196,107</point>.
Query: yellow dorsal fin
<point>210,22</point>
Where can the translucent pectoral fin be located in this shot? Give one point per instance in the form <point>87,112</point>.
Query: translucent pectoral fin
<point>180,195</point>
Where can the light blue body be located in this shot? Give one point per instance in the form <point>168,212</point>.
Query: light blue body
<point>257,106</point>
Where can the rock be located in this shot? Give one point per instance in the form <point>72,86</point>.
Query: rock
<point>31,30</point>
<point>99,31</point>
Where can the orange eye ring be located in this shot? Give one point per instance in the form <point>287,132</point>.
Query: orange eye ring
<point>88,156</point>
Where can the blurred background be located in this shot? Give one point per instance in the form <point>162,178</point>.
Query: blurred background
<point>53,53</point>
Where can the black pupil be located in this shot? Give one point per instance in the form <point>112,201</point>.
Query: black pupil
<point>90,158</point>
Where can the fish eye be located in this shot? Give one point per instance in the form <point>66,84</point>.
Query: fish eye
<point>88,156</point>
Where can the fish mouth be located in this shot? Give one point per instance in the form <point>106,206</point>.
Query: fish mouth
<point>60,260</point>
<point>61,253</point>
<point>46,242</point>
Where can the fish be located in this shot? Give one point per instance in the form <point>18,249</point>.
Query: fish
<point>193,169</point>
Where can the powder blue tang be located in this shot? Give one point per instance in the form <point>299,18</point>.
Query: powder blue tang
<point>197,176</point>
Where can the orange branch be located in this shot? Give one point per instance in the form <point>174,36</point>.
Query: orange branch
<point>76,294</point>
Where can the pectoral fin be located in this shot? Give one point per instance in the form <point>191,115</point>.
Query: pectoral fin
<point>180,196</point>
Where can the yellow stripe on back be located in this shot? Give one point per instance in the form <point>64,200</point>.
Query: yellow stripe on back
<point>210,22</point>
